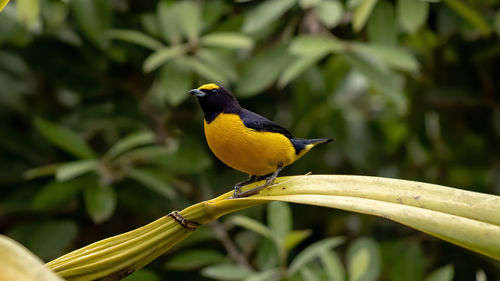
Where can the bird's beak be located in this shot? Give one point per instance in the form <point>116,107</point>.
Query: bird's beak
<point>198,93</point>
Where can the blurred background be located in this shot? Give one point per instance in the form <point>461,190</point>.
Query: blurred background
<point>99,135</point>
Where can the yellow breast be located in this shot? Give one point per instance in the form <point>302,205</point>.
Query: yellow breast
<point>247,150</point>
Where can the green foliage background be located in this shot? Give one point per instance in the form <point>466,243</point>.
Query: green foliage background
<point>99,135</point>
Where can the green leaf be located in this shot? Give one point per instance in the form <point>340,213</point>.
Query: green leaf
<point>152,181</point>
<point>469,14</point>
<point>265,13</point>
<point>295,237</point>
<point>444,273</point>
<point>313,251</point>
<point>296,68</point>
<point>136,37</point>
<point>202,69</point>
<point>363,260</point>
<point>229,40</point>
<point>100,202</point>
<point>28,12</point>
<point>394,56</point>
<point>175,80</point>
<point>47,239</point>
<point>279,218</point>
<point>143,154</point>
<point>308,274</point>
<point>362,13</point>
<point>220,61</point>
<point>64,139</point>
<point>193,259</point>
<point>262,70</point>
<point>226,272</point>
<point>496,22</point>
<point>130,141</point>
<point>382,24</point>
<point>306,4</point>
<point>332,265</point>
<point>161,57</point>
<point>168,23</point>
<point>266,275</point>
<point>51,195</point>
<point>381,79</point>
<point>314,45</point>
<point>41,171</point>
<point>329,12</point>
<point>76,168</point>
<point>254,226</point>
<point>412,14</point>
<point>189,19</point>
<point>408,263</point>
<point>94,19</point>
<point>358,265</point>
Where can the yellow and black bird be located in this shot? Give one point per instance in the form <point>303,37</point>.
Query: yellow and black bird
<point>246,141</point>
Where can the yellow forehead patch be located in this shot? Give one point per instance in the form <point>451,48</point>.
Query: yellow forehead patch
<point>209,87</point>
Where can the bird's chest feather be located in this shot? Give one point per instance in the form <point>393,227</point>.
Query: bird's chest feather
<point>247,150</point>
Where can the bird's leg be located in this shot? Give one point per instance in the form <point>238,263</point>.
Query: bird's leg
<point>237,187</point>
<point>269,181</point>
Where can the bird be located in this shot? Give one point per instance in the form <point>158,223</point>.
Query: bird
<point>247,141</point>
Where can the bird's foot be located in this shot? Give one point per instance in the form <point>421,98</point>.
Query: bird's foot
<point>183,221</point>
<point>255,190</point>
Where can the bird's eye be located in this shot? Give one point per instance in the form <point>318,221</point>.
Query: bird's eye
<point>214,91</point>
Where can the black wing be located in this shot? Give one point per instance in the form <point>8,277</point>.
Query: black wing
<point>259,123</point>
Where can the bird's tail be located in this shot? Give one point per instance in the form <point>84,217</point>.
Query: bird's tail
<point>302,146</point>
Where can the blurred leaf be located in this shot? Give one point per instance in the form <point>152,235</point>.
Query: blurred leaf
<point>167,21</point>
<point>295,237</point>
<point>230,40</point>
<point>220,61</point>
<point>100,202</point>
<point>175,80</point>
<point>363,260</point>
<point>266,275</point>
<point>329,12</point>
<point>408,262</point>
<point>358,265</point>
<point>362,13</point>
<point>42,171</point>
<point>226,272</point>
<point>51,195</point>
<point>254,226</point>
<point>279,218</point>
<point>265,13</point>
<point>47,239</point>
<point>143,154</point>
<point>143,275</point>
<point>332,265</point>
<point>130,141</point>
<point>192,259</point>
<point>308,274</point>
<point>444,273</point>
<point>394,56</point>
<point>469,14</point>
<point>18,263</point>
<point>188,18</point>
<point>382,24</point>
<point>136,37</point>
<point>162,56</point>
<point>64,139</point>
<point>267,255</point>
<point>296,68</point>
<point>76,168</point>
<point>262,70</point>
<point>28,12</point>
<point>412,14</point>
<point>380,79</point>
<point>94,18</point>
<point>306,4</point>
<point>496,22</point>
<point>203,70</point>
<point>314,45</point>
<point>152,181</point>
<point>313,251</point>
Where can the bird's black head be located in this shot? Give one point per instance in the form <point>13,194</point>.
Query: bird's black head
<point>214,100</point>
